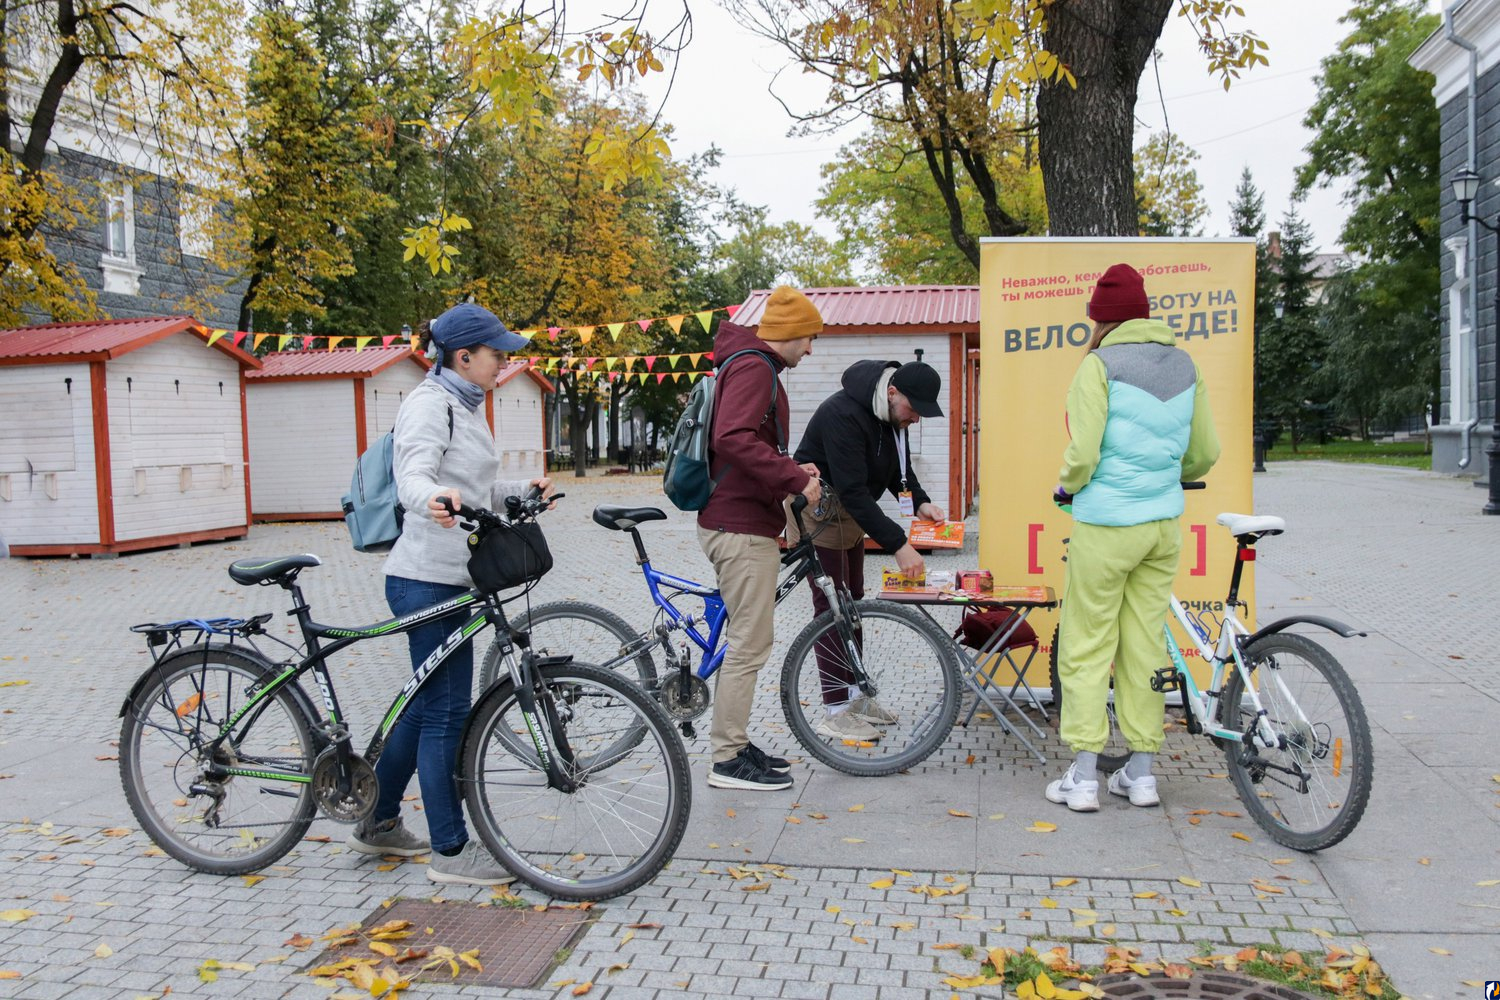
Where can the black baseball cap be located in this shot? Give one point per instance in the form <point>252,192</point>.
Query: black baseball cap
<point>920,384</point>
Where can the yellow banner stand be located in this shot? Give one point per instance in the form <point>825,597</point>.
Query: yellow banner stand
<point>1034,333</point>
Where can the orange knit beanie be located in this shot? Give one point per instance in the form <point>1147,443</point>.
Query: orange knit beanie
<point>789,315</point>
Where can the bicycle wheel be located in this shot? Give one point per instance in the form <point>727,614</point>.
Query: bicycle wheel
<point>218,823</point>
<point>588,632</point>
<point>1115,752</point>
<point>1309,792</point>
<point>913,666</point>
<point>619,826</point>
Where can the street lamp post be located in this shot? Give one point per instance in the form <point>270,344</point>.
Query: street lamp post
<point>1465,187</point>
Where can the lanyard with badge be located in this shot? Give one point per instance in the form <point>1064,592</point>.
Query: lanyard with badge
<point>904,498</point>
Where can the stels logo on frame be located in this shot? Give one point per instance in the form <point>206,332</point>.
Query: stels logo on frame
<point>1492,990</point>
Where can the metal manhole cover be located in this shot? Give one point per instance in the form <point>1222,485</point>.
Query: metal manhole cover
<point>1198,986</point>
<point>517,948</point>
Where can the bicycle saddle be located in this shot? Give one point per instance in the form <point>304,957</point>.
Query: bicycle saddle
<point>248,571</point>
<point>625,518</point>
<point>1240,525</point>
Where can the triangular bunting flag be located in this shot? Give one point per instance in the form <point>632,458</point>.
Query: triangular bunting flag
<point>641,376</point>
<point>552,332</point>
<point>239,335</point>
<point>660,377</point>
<point>695,376</point>
<point>705,319</point>
<point>644,324</point>
<point>255,341</point>
<point>585,334</point>
<point>614,330</point>
<point>697,358</point>
<point>709,355</point>
<point>281,341</point>
<point>387,340</point>
<point>731,310</point>
<point>528,334</point>
<point>215,335</point>
<point>675,322</point>
<point>650,360</point>
<point>360,342</point>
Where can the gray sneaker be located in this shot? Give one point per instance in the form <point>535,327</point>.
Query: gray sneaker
<point>872,711</point>
<point>390,837</point>
<point>473,865</point>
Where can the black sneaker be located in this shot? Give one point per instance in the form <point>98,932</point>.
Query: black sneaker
<point>744,772</point>
<point>778,764</point>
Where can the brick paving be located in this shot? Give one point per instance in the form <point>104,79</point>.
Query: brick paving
<point>1382,547</point>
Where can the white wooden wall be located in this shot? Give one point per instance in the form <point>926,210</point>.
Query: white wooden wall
<point>383,396</point>
<point>302,444</point>
<point>818,376</point>
<point>518,428</point>
<point>177,451</point>
<point>47,484</point>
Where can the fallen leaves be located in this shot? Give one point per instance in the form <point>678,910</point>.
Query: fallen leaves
<point>1041,826</point>
<point>1191,883</point>
<point>16,916</point>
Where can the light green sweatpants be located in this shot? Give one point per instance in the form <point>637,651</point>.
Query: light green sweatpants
<point>1118,588</point>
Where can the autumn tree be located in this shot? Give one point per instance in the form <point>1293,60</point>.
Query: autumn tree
<point>1247,217</point>
<point>303,160</point>
<point>103,73</point>
<point>1168,197</point>
<point>1293,350</point>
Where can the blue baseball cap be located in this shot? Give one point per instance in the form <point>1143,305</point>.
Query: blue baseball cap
<point>470,325</point>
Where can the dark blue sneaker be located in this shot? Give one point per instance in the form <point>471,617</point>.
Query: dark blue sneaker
<point>778,764</point>
<point>745,773</point>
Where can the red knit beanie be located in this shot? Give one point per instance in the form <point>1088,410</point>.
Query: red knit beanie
<point>1120,295</point>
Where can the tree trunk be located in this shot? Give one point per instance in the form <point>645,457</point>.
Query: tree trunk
<point>615,395</point>
<point>1086,132</point>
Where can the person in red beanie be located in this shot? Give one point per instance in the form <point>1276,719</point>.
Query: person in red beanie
<point>1139,424</point>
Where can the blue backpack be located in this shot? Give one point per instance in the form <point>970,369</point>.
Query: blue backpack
<point>372,510</point>
<point>686,480</point>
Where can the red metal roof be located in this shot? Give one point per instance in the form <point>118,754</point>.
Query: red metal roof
<point>884,308</point>
<point>515,368</point>
<point>102,340</point>
<point>341,362</point>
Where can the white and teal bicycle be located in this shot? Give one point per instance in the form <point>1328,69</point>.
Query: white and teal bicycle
<point>1288,718</point>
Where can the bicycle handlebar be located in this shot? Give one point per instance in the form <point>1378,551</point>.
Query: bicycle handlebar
<point>522,508</point>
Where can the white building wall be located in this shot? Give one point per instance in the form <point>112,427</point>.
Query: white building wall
<point>384,393</point>
<point>302,444</point>
<point>519,428</point>
<point>47,483</point>
<point>819,375</point>
<point>176,439</point>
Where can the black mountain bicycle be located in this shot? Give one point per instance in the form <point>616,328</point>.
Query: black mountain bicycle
<point>574,778</point>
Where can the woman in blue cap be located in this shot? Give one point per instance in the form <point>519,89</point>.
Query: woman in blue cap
<point>443,449</point>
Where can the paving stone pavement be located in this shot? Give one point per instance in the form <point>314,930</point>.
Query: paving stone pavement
<point>1399,553</point>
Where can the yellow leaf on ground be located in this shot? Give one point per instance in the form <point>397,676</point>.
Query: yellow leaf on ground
<point>627,938</point>
<point>1041,826</point>
<point>15,916</point>
<point>1440,951</point>
<point>1489,882</point>
<point>1190,882</point>
<point>1146,895</point>
<point>583,988</point>
<point>254,879</point>
<point>1178,913</point>
<point>794,820</point>
<point>960,814</point>
<point>883,883</point>
<point>853,840</point>
<point>903,925</point>
<point>901,871</point>
<point>1240,836</point>
<point>117,831</point>
<point>1050,904</point>
<point>727,812</point>
<point>860,807</point>
<point>381,948</point>
<point>946,947</point>
<point>103,951</point>
<point>9,974</point>
<point>1063,883</point>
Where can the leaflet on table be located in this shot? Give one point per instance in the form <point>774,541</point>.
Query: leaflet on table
<point>936,535</point>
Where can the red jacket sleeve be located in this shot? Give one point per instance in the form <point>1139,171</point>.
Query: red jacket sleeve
<point>745,428</point>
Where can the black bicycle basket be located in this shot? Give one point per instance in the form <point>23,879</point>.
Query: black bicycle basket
<point>508,555</point>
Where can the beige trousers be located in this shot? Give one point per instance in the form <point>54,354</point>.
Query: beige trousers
<point>746,567</point>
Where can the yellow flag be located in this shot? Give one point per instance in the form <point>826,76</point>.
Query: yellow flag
<point>585,334</point>
<point>675,322</point>
<point>360,342</point>
<point>281,340</point>
<point>614,330</point>
<point>255,341</point>
<point>528,334</point>
<point>214,335</point>
<point>704,318</point>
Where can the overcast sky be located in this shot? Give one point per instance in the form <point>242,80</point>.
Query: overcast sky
<point>722,95</point>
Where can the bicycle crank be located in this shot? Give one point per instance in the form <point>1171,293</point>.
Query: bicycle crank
<point>685,696</point>
<point>338,805</point>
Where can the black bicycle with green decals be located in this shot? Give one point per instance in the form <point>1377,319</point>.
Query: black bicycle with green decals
<point>574,778</point>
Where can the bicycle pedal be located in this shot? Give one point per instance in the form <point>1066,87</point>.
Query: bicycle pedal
<point>1166,679</point>
<point>688,732</point>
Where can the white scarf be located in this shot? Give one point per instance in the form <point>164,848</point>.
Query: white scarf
<point>882,401</point>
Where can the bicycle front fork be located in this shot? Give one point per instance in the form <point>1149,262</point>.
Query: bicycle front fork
<point>846,621</point>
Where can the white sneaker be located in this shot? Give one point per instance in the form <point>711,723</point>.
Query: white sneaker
<point>1141,791</point>
<point>1079,796</point>
<point>846,726</point>
<point>872,711</point>
<point>474,865</point>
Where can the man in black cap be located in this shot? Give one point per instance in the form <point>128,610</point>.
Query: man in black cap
<point>858,440</point>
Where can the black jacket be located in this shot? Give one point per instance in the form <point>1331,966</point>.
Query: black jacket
<point>856,452</point>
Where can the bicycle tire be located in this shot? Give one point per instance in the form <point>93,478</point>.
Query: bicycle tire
<point>587,632</point>
<point>193,689</point>
<point>914,669</point>
<point>1324,696</point>
<point>544,836</point>
<point>1115,752</point>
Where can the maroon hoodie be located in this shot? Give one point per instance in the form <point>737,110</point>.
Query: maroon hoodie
<point>747,446</point>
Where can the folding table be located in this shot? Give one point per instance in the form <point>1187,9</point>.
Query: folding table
<point>1020,601</point>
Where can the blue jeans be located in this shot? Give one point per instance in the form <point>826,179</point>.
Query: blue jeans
<point>425,741</point>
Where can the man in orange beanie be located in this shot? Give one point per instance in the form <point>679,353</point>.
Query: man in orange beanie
<point>737,529</point>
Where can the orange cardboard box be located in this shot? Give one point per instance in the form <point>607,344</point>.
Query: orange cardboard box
<point>932,535</point>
